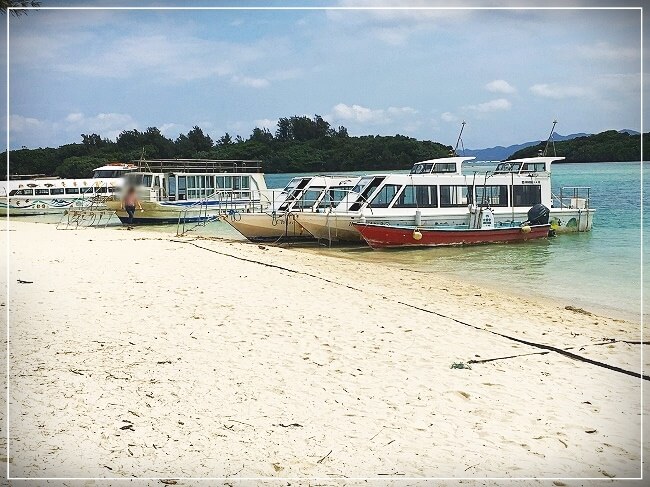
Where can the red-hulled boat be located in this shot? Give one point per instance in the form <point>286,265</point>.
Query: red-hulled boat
<point>381,236</point>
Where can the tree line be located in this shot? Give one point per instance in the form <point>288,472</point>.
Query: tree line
<point>608,146</point>
<point>299,144</point>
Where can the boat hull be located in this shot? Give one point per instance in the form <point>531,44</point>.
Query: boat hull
<point>260,227</point>
<point>29,207</point>
<point>339,227</point>
<point>383,236</point>
<point>159,213</point>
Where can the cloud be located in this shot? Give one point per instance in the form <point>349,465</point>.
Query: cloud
<point>558,92</point>
<point>32,131</point>
<point>21,124</point>
<point>364,115</point>
<point>250,81</point>
<point>500,86</point>
<point>266,123</point>
<point>448,117</point>
<point>358,113</point>
<point>606,51</point>
<point>105,124</point>
<point>490,106</point>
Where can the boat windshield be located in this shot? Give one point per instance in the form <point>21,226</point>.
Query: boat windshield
<point>508,167</point>
<point>430,167</point>
<point>292,184</point>
<point>334,196</point>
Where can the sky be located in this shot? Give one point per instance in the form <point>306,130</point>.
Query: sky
<point>507,73</point>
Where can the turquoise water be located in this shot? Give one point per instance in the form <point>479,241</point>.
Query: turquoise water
<point>599,270</point>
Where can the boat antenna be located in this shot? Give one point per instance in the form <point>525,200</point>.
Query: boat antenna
<point>460,140</point>
<point>551,140</point>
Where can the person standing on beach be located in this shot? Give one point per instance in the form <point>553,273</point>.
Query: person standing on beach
<point>129,203</point>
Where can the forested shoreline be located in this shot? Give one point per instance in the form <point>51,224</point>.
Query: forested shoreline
<point>299,144</point>
<point>608,146</point>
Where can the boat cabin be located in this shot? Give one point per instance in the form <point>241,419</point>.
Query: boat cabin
<point>445,165</point>
<point>194,180</point>
<point>530,165</point>
<point>313,193</point>
<point>106,180</point>
<point>522,184</point>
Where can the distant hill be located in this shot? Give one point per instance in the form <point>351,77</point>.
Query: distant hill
<point>609,146</point>
<point>500,152</point>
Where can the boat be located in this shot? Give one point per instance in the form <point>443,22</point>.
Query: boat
<point>390,236</point>
<point>436,192</point>
<point>38,194</point>
<point>312,194</point>
<point>192,190</point>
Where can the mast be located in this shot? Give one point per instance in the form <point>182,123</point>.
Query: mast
<point>550,139</point>
<point>460,140</point>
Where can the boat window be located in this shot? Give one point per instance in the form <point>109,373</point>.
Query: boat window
<point>71,190</point>
<point>526,195</point>
<point>492,195</point>
<point>236,182</point>
<point>105,173</point>
<point>245,182</point>
<point>147,179</point>
<point>334,196</point>
<point>508,167</point>
<point>308,198</point>
<point>444,167</point>
<point>21,192</point>
<point>56,191</point>
<point>366,192</point>
<point>384,196</point>
<point>171,186</point>
<point>417,197</point>
<point>113,189</point>
<point>534,167</point>
<point>86,190</point>
<point>422,168</point>
<point>455,196</point>
<point>156,182</point>
<point>41,192</point>
<point>101,189</point>
<point>209,183</point>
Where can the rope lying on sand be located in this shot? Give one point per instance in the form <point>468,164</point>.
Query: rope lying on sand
<point>550,348</point>
<point>541,346</point>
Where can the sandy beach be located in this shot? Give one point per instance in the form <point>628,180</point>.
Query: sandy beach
<point>134,354</point>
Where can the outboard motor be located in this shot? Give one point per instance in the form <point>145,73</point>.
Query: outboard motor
<point>538,215</point>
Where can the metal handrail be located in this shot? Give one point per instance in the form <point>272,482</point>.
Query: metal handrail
<point>199,165</point>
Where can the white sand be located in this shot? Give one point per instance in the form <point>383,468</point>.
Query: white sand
<point>221,367</point>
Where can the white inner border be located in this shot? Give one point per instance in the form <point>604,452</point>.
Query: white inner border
<point>332,478</point>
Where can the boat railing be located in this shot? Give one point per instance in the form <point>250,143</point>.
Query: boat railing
<point>573,197</point>
<point>230,202</point>
<point>200,165</point>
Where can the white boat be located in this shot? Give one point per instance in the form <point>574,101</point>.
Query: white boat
<point>436,192</point>
<point>40,195</point>
<point>302,195</point>
<point>192,190</point>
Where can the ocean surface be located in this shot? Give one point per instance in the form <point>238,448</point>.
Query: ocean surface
<point>598,271</point>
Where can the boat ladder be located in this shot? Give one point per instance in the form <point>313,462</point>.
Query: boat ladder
<point>86,212</point>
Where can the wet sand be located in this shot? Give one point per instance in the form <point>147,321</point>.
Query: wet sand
<point>135,354</point>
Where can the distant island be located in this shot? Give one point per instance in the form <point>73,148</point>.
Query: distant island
<point>609,146</point>
<point>299,144</point>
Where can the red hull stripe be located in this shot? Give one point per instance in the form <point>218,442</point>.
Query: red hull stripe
<point>379,236</point>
